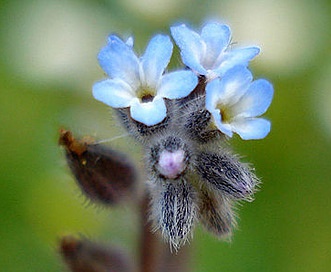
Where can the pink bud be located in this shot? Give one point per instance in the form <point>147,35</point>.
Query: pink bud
<point>171,164</point>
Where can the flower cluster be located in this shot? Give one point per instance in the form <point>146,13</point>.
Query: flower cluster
<point>183,117</point>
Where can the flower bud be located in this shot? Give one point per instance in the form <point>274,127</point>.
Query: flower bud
<point>104,175</point>
<point>168,158</point>
<point>225,173</point>
<point>216,214</point>
<point>174,210</point>
<point>197,121</point>
<point>85,256</point>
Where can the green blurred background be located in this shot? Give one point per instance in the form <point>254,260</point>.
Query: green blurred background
<point>47,67</point>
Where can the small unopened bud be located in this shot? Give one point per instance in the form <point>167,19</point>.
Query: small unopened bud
<point>168,158</point>
<point>225,173</point>
<point>174,210</point>
<point>197,121</point>
<point>216,214</point>
<point>86,256</point>
<point>171,164</point>
<point>104,175</point>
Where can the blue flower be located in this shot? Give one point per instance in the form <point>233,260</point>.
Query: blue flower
<point>209,53</point>
<point>140,83</point>
<point>235,102</point>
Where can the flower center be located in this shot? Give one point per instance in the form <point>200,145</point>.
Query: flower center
<point>145,94</point>
<point>225,112</point>
<point>147,98</point>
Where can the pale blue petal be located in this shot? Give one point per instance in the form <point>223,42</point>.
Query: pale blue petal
<point>223,127</point>
<point>212,99</point>
<point>212,94</point>
<point>156,59</point>
<point>149,113</point>
<point>177,84</point>
<point>250,129</point>
<point>130,41</point>
<point>119,61</point>
<point>256,100</point>
<point>115,93</point>
<point>231,58</point>
<point>192,47</point>
<point>216,37</point>
<point>233,85</point>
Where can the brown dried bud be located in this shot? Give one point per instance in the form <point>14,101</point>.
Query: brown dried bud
<point>104,175</point>
<point>86,256</point>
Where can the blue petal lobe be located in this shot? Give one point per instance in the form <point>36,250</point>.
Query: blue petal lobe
<point>256,100</point>
<point>156,59</point>
<point>212,100</point>
<point>192,47</point>
<point>149,113</point>
<point>114,93</point>
<point>212,94</point>
<point>177,84</point>
<point>251,129</point>
<point>223,127</point>
<point>216,37</point>
<point>119,61</point>
<point>130,41</point>
<point>233,85</point>
<point>231,58</point>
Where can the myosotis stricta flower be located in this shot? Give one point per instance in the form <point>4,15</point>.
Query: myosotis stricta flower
<point>140,83</point>
<point>235,102</point>
<point>209,53</point>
